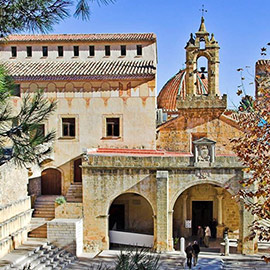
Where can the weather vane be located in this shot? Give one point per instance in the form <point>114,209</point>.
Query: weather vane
<point>203,10</point>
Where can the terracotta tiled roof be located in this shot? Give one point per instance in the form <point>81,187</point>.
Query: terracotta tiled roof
<point>59,70</point>
<point>82,37</point>
<point>175,87</point>
<point>134,152</point>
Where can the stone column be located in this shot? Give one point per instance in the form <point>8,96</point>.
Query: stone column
<point>162,233</point>
<point>245,245</point>
<point>184,209</point>
<point>220,227</point>
<point>220,221</point>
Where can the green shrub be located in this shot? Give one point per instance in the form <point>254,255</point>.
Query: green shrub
<point>60,200</point>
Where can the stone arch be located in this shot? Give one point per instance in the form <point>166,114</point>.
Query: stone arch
<point>195,183</point>
<point>131,220</point>
<point>87,87</point>
<point>202,205</point>
<point>51,87</point>
<point>51,181</point>
<point>105,86</point>
<point>126,192</point>
<point>69,87</point>
<point>33,87</point>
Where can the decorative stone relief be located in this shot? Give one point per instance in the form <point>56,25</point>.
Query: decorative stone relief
<point>204,152</point>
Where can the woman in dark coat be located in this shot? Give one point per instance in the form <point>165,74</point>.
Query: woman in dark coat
<point>189,252</point>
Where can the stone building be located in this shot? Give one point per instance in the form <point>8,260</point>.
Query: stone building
<point>189,179</point>
<point>139,184</point>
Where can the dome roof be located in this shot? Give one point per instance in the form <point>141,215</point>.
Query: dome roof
<point>176,87</point>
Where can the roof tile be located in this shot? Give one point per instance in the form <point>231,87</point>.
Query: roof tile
<point>81,37</point>
<point>46,70</point>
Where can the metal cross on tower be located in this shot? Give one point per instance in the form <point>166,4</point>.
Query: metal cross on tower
<point>203,10</point>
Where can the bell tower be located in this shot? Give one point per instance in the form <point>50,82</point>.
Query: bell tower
<point>202,46</point>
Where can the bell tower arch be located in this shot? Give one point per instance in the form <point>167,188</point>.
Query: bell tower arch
<point>202,46</point>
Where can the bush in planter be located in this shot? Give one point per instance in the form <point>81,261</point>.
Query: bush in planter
<point>60,200</point>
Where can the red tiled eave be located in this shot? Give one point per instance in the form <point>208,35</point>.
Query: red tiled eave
<point>135,152</point>
<point>81,37</point>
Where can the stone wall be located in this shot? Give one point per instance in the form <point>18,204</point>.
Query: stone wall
<point>13,183</point>
<point>15,207</point>
<point>68,210</point>
<point>66,233</point>
<point>34,186</point>
<point>178,134</point>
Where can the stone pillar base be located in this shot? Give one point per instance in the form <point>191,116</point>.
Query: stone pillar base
<point>220,230</point>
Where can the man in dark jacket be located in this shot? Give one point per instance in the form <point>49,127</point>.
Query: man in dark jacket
<point>196,251</point>
<point>189,252</point>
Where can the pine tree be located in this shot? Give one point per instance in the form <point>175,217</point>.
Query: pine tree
<point>21,138</point>
<point>39,15</point>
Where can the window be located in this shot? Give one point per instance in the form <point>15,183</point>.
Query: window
<point>76,51</point>
<point>139,50</point>
<point>16,91</point>
<point>13,51</point>
<point>44,51</point>
<point>29,51</point>
<point>60,51</point>
<point>112,127</point>
<point>123,50</point>
<point>68,127</point>
<point>92,50</point>
<point>107,50</point>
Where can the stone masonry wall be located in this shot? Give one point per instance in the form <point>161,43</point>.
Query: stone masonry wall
<point>66,233</point>
<point>178,134</point>
<point>15,207</point>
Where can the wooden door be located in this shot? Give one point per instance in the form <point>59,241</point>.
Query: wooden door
<point>51,182</point>
<point>77,170</point>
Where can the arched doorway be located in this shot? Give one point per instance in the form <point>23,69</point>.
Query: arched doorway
<point>202,205</point>
<point>131,221</point>
<point>51,182</point>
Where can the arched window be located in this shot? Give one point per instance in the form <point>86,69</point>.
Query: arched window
<point>202,44</point>
<point>202,76</point>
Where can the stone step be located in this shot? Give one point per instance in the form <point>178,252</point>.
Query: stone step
<point>37,255</point>
<point>40,232</point>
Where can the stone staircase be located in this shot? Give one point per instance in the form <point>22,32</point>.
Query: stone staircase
<point>37,255</point>
<point>74,193</point>
<point>43,212</point>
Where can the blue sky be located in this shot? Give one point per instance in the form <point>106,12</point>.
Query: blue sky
<point>240,26</point>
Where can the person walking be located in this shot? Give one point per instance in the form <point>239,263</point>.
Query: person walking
<point>207,235</point>
<point>189,252</point>
<point>200,234</point>
<point>196,251</point>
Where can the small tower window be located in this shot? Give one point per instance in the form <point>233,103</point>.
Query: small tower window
<point>76,51</point>
<point>91,50</point>
<point>13,51</point>
<point>107,50</point>
<point>29,51</point>
<point>202,44</point>
<point>139,50</point>
<point>60,51</point>
<point>123,50</point>
<point>44,51</point>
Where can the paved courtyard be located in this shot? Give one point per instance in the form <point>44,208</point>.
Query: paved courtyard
<point>207,261</point>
